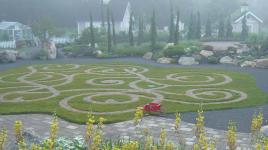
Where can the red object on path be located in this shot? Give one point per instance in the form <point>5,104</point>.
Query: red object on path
<point>152,107</point>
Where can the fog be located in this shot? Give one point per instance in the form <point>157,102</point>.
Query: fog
<point>68,12</point>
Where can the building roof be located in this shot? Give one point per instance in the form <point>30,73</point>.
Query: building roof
<point>247,14</point>
<point>238,16</point>
<point>5,25</point>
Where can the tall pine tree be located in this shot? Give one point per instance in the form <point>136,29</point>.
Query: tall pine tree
<point>130,30</point>
<point>244,32</point>
<point>92,34</point>
<point>229,29</point>
<point>171,24</point>
<point>177,29</point>
<point>191,27</point>
<point>141,31</point>
<point>153,32</point>
<point>102,14</point>
<point>114,32</point>
<point>198,26</point>
<point>109,36</point>
<point>221,29</point>
<point>208,33</point>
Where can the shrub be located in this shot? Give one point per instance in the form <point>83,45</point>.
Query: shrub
<point>157,55</point>
<point>78,50</point>
<point>174,51</point>
<point>126,50</point>
<point>264,45</point>
<point>213,60</point>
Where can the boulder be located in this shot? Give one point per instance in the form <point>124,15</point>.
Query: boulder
<point>169,45</point>
<point>248,64</point>
<point>164,60</point>
<point>50,49</point>
<point>187,61</point>
<point>262,63</point>
<point>206,53</point>
<point>227,60</point>
<point>7,56</point>
<point>264,131</point>
<point>148,56</point>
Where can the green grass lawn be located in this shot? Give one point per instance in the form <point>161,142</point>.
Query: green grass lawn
<point>114,90</point>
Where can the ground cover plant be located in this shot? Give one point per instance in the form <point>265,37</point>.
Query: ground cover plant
<point>114,90</point>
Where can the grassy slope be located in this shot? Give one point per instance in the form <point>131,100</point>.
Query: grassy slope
<point>241,81</point>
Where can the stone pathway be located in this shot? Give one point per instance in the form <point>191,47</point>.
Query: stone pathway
<point>39,124</point>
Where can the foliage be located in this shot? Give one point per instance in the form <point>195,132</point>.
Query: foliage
<point>126,50</point>
<point>174,51</point>
<point>171,24</point>
<point>138,115</point>
<point>78,50</point>
<point>109,36</point>
<point>114,32</point>
<point>231,136</point>
<point>177,28</point>
<point>221,29</point>
<point>153,32</point>
<point>208,31</point>
<point>264,45</point>
<point>229,29</point>
<point>141,31</point>
<point>42,28</point>
<point>3,137</point>
<point>191,27</point>
<point>245,30</point>
<point>130,30</point>
<point>92,34</point>
<point>213,60</point>
<point>198,27</point>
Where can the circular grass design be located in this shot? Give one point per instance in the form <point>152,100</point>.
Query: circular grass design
<point>117,89</point>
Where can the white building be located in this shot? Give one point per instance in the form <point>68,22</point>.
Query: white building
<point>254,23</point>
<point>121,22</point>
<point>16,31</point>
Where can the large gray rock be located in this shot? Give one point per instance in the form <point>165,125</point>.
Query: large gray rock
<point>148,56</point>
<point>206,53</point>
<point>50,49</point>
<point>227,60</point>
<point>187,61</point>
<point>262,63</point>
<point>164,60</point>
<point>264,131</point>
<point>248,64</point>
<point>7,56</point>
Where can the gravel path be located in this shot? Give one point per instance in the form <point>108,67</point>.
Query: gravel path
<point>214,119</point>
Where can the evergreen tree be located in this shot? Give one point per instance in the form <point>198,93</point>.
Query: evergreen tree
<point>114,33</point>
<point>102,14</point>
<point>229,32</point>
<point>221,29</point>
<point>171,24</point>
<point>92,34</point>
<point>244,32</point>
<point>208,28</point>
<point>153,31</point>
<point>198,27</point>
<point>109,36</point>
<point>130,30</point>
<point>177,29</point>
<point>191,28</point>
<point>141,31</point>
